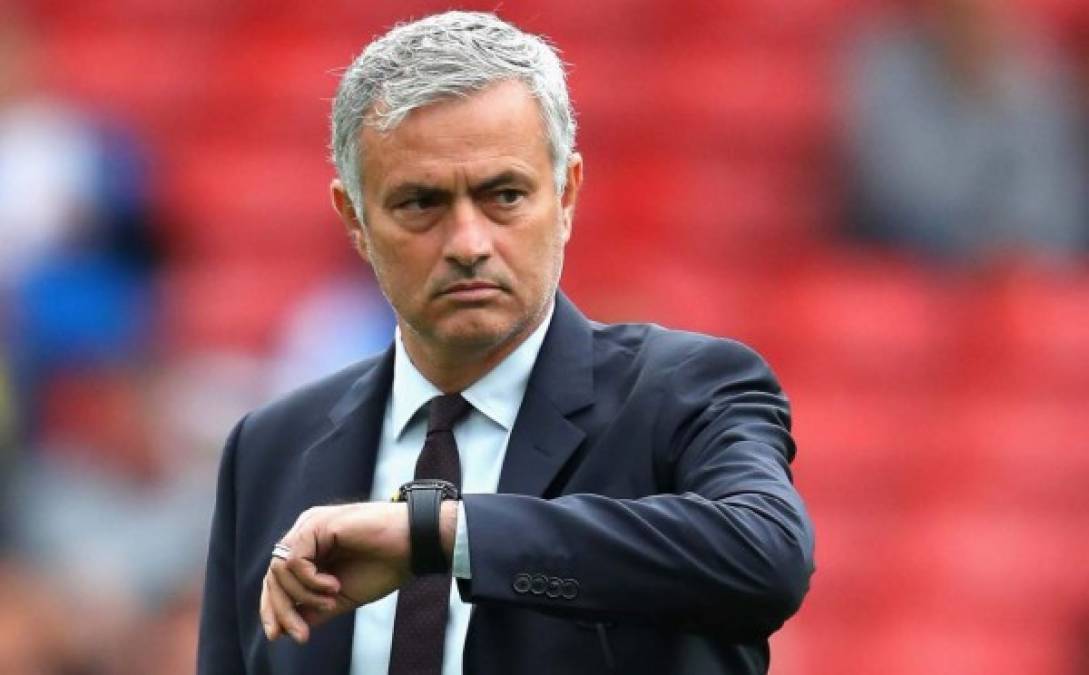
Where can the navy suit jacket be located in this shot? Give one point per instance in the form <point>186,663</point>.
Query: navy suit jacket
<point>645,520</point>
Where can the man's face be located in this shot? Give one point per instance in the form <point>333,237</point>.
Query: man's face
<point>462,223</point>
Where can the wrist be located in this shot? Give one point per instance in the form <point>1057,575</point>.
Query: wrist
<point>379,529</point>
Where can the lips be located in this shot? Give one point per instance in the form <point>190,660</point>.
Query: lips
<point>471,290</point>
<point>470,286</point>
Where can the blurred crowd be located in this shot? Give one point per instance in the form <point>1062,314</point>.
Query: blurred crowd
<point>964,144</point>
<point>109,437</point>
<point>968,136</point>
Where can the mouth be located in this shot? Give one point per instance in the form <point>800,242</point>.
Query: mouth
<point>471,290</point>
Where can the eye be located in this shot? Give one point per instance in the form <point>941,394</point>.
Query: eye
<point>508,197</point>
<point>418,203</point>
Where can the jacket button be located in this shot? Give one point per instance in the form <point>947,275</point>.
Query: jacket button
<point>522,583</point>
<point>554,587</point>
<point>569,589</point>
<point>540,583</point>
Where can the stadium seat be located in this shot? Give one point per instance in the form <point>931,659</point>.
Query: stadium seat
<point>148,78</point>
<point>231,307</point>
<point>1024,451</point>
<point>1032,333</point>
<point>240,200</point>
<point>868,321</point>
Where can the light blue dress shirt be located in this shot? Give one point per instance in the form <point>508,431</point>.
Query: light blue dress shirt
<point>482,444</point>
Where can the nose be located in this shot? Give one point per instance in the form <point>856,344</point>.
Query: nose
<point>468,234</point>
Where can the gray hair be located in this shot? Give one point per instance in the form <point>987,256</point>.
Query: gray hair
<point>442,56</point>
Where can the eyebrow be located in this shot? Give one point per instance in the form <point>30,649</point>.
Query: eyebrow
<point>413,190</point>
<point>503,178</point>
<point>424,189</point>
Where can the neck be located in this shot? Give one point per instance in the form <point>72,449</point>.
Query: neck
<point>453,370</point>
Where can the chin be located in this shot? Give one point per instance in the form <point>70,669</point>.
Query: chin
<point>480,333</point>
<point>475,340</point>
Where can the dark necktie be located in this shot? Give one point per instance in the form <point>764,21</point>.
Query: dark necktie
<point>419,628</point>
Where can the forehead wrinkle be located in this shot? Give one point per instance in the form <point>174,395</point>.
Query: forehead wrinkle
<point>458,137</point>
<point>469,162</point>
<point>460,144</point>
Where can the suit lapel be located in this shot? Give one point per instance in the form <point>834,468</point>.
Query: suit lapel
<point>561,383</point>
<point>340,465</point>
<point>339,468</point>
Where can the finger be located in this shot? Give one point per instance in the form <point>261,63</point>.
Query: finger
<point>316,617</point>
<point>268,619</point>
<point>306,572</point>
<point>297,537</point>
<point>298,592</point>
<point>286,616</point>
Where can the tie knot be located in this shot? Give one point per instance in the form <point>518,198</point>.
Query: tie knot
<point>445,411</point>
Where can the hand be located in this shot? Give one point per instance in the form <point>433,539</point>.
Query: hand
<point>341,557</point>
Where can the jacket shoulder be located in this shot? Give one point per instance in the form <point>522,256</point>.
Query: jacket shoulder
<point>310,404</point>
<point>652,345</point>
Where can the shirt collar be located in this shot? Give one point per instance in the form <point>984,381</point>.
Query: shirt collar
<point>498,395</point>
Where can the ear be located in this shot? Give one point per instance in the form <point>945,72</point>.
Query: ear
<point>571,193</point>
<point>342,203</point>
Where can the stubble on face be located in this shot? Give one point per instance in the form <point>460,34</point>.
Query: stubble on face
<point>438,224</point>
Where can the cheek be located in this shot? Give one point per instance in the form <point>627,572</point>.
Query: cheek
<point>410,267</point>
<point>386,260</point>
<point>534,256</point>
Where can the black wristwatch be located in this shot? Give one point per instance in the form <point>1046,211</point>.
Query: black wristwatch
<point>425,498</point>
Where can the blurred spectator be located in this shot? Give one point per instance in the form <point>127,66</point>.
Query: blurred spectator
<point>121,486</point>
<point>75,245</point>
<point>343,320</point>
<point>113,506</point>
<point>1076,37</point>
<point>66,182</point>
<point>105,502</point>
<point>32,635</point>
<point>962,137</point>
<point>7,449</point>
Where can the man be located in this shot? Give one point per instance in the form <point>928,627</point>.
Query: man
<point>962,138</point>
<point>607,498</point>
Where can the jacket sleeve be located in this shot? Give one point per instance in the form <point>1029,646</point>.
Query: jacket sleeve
<point>219,649</point>
<point>726,546</point>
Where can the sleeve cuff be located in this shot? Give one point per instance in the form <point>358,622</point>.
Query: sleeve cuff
<point>460,564</point>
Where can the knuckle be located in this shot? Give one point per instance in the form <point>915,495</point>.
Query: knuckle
<point>306,515</point>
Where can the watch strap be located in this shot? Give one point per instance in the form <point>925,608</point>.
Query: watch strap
<point>425,539</point>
